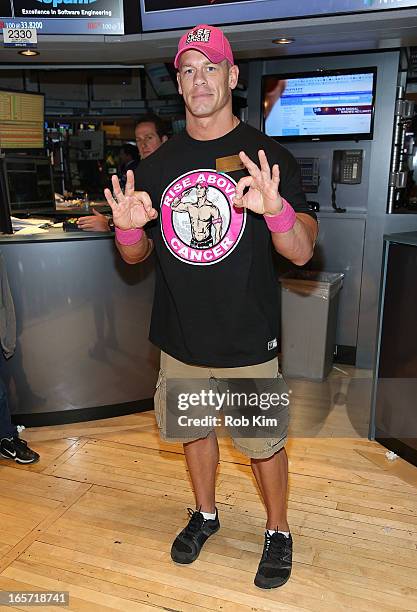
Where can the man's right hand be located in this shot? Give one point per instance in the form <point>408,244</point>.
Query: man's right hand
<point>94,223</point>
<point>131,209</point>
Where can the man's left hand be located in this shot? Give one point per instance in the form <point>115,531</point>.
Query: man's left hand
<point>262,196</point>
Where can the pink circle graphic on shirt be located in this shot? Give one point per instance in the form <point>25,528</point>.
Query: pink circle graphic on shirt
<point>199,223</point>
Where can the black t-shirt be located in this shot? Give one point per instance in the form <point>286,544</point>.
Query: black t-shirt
<point>216,293</point>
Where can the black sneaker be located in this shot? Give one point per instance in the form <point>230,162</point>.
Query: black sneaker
<point>189,542</point>
<point>275,565</point>
<point>17,449</point>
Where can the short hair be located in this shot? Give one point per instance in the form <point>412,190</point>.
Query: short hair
<point>131,150</point>
<point>161,126</point>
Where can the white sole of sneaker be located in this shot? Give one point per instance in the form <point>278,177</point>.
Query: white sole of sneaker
<point>22,461</point>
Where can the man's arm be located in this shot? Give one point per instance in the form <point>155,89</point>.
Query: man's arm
<point>179,206</point>
<point>135,253</point>
<point>297,244</point>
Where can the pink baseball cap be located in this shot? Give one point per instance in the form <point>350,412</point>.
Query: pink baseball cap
<point>208,40</point>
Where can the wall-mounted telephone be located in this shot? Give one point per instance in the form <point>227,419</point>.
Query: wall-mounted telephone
<point>347,166</point>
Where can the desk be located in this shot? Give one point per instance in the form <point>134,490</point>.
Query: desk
<point>82,325</point>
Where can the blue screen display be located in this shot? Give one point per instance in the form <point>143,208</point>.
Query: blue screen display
<point>171,14</point>
<point>320,106</point>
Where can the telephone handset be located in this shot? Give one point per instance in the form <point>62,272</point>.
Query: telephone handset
<point>347,166</point>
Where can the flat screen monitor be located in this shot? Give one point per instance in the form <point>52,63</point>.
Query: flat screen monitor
<point>173,14</point>
<point>325,105</point>
<point>29,184</point>
<point>22,120</point>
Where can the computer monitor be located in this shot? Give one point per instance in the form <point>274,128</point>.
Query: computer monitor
<point>22,120</point>
<point>177,14</point>
<point>29,184</point>
<point>325,105</point>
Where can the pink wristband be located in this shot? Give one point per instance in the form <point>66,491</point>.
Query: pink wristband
<point>283,221</point>
<point>128,237</point>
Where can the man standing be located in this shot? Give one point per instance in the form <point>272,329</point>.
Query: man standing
<point>203,214</point>
<point>258,190</point>
<point>150,133</point>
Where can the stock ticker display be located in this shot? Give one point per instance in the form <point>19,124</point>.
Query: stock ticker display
<point>64,16</point>
<point>21,120</point>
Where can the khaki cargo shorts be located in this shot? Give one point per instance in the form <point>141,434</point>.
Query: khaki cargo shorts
<point>254,447</point>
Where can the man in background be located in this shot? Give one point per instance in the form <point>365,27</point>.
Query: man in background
<point>11,444</point>
<point>150,133</point>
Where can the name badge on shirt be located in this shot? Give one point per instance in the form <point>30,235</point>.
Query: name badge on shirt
<point>231,163</point>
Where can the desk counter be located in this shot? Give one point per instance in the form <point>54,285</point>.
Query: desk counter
<point>82,329</point>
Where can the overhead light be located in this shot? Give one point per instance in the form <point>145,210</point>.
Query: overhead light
<point>29,52</point>
<point>283,41</point>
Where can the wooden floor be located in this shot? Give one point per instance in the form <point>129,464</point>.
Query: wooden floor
<point>97,515</point>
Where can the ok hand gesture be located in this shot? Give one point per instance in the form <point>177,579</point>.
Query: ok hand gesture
<point>262,196</point>
<point>131,209</point>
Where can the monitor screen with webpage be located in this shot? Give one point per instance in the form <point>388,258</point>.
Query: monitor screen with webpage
<point>325,105</point>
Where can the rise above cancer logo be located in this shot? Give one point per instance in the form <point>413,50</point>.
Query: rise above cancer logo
<point>199,223</point>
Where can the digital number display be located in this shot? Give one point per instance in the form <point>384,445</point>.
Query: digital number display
<point>25,35</point>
